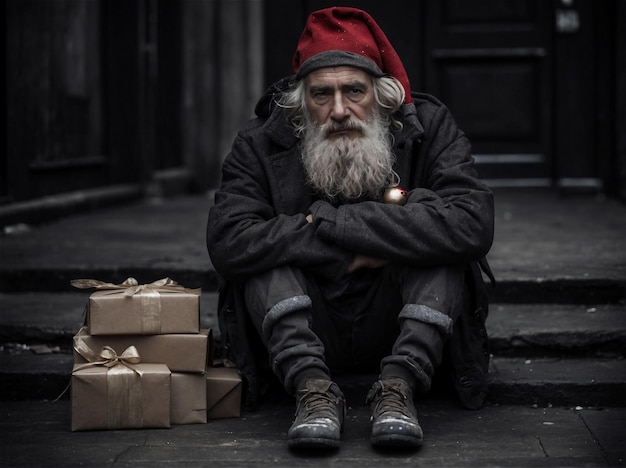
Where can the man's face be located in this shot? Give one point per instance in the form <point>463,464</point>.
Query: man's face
<point>339,95</point>
<point>346,149</point>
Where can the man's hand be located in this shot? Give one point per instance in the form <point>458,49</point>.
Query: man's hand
<point>363,261</point>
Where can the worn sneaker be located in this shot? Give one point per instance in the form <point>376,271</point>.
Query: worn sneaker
<point>394,419</point>
<point>320,412</point>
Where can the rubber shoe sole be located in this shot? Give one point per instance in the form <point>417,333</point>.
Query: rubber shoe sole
<point>395,440</point>
<point>316,443</point>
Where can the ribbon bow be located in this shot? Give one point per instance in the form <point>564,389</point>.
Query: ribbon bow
<point>123,387</point>
<point>131,286</point>
<point>107,356</point>
<point>111,358</point>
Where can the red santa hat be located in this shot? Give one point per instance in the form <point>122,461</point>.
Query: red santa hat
<point>344,36</point>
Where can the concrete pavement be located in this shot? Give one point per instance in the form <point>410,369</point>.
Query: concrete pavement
<point>37,434</point>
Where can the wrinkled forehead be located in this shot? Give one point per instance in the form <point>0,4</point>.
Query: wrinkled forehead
<point>337,77</point>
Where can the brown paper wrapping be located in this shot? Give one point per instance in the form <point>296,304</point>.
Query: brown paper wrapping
<point>149,313</point>
<point>160,307</point>
<point>188,405</point>
<point>180,352</point>
<point>223,392</point>
<point>119,397</point>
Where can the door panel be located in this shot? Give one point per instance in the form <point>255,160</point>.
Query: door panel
<point>55,136</point>
<point>488,62</point>
<point>89,102</point>
<point>487,88</point>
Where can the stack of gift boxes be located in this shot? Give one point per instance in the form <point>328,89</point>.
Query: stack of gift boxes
<point>142,361</point>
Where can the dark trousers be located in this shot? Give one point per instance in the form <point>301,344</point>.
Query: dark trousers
<point>373,318</point>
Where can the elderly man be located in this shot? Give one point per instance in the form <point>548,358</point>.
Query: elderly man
<point>347,231</point>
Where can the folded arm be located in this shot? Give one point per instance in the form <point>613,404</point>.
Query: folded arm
<point>245,235</point>
<point>448,218</point>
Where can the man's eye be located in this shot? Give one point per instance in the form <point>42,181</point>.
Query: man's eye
<point>356,94</point>
<point>320,96</point>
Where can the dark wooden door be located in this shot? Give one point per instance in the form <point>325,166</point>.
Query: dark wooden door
<point>93,95</point>
<point>55,99</point>
<point>490,62</point>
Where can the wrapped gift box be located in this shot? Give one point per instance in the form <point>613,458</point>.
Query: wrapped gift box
<point>180,352</point>
<point>119,397</point>
<point>112,312</point>
<point>223,392</point>
<point>188,404</point>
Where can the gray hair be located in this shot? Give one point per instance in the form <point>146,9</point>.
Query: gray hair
<point>388,94</point>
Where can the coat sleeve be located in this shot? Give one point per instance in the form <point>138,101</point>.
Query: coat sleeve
<point>448,218</point>
<point>245,234</point>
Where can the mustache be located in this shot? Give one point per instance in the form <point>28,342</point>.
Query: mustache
<point>345,126</point>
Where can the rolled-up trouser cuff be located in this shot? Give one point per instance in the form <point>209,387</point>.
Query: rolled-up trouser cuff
<point>290,362</point>
<point>419,345</point>
<point>408,370</point>
<point>292,344</point>
<point>281,309</point>
<point>427,315</point>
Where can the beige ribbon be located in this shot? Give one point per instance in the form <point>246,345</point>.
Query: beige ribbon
<point>124,396</point>
<point>149,295</point>
<point>107,357</point>
<point>132,287</point>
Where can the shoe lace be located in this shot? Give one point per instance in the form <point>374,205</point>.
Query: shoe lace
<point>320,404</point>
<point>390,398</point>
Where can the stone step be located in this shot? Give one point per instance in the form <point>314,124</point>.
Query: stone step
<point>573,330</point>
<point>543,354</point>
<point>514,290</point>
<point>148,240</point>
<point>547,248</point>
<point>57,279</point>
<point>527,330</point>
<point>53,318</point>
<point>556,290</point>
<point>558,382</point>
<point>26,375</point>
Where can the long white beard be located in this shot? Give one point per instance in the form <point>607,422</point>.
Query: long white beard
<point>348,166</point>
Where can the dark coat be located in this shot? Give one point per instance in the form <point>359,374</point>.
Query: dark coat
<point>258,223</point>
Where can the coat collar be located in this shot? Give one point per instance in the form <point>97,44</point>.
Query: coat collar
<point>278,129</point>
<point>412,128</point>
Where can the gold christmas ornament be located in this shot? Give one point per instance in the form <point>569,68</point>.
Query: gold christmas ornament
<point>395,196</point>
